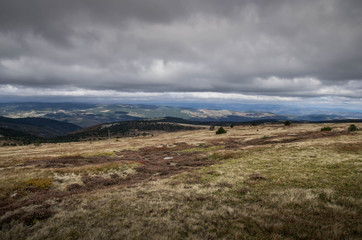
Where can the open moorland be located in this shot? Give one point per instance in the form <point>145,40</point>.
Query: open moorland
<point>254,182</point>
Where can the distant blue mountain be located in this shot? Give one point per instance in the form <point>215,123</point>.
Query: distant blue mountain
<point>88,114</point>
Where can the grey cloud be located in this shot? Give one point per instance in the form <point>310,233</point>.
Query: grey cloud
<point>286,48</point>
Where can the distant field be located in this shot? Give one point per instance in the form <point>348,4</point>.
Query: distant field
<point>254,182</point>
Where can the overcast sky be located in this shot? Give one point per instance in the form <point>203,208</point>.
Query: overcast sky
<point>280,50</point>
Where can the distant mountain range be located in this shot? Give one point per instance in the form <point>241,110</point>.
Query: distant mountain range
<point>86,115</point>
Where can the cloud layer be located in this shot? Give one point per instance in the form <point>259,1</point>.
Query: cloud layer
<point>279,48</point>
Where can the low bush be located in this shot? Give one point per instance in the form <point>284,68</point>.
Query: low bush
<point>221,130</point>
<point>352,128</point>
<point>325,129</point>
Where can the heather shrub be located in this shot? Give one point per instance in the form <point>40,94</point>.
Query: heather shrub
<point>287,123</point>
<point>221,130</point>
<point>352,128</point>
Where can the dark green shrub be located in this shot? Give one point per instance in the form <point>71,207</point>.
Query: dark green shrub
<point>352,128</point>
<point>231,125</point>
<point>221,130</point>
<point>325,129</point>
<point>287,123</point>
<point>212,127</point>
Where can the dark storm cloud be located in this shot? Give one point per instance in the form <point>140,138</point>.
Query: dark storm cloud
<point>279,48</point>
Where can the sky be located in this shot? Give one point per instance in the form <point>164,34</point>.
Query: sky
<point>280,51</point>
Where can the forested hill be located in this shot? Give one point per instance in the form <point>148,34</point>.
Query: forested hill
<point>40,127</point>
<point>125,129</point>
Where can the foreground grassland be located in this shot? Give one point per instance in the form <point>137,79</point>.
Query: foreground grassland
<point>260,182</point>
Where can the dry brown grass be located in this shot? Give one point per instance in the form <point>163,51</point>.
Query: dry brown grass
<point>296,183</point>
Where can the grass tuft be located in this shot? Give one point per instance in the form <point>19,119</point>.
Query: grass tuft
<point>39,183</point>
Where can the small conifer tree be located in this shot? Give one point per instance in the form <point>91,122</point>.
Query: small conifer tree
<point>287,123</point>
<point>352,128</point>
<point>221,130</point>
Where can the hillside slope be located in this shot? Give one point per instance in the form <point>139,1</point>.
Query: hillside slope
<point>126,129</point>
<point>40,127</point>
<point>12,137</point>
<point>254,182</point>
